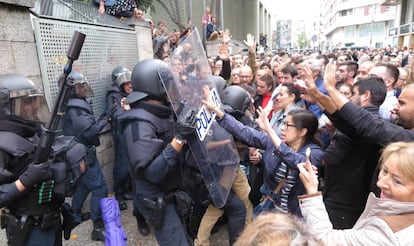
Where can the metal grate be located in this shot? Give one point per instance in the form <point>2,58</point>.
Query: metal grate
<point>72,10</point>
<point>103,50</point>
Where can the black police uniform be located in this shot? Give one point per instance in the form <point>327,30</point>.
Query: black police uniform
<point>121,170</point>
<point>79,121</point>
<point>33,216</point>
<point>156,166</point>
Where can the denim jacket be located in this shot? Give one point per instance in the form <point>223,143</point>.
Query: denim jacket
<point>277,160</point>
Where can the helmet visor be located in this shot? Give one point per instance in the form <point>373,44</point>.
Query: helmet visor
<point>171,89</point>
<point>83,90</point>
<point>123,78</point>
<point>31,108</point>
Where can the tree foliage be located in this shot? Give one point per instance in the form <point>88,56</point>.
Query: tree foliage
<point>302,40</point>
<point>145,5</point>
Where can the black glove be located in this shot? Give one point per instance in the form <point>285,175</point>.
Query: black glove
<point>109,113</point>
<point>70,220</point>
<point>35,173</point>
<point>185,126</point>
<point>102,116</point>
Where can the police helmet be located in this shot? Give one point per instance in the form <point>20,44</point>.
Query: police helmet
<point>21,100</point>
<point>150,78</point>
<point>220,84</point>
<point>123,78</point>
<point>235,99</point>
<point>116,72</point>
<point>81,87</point>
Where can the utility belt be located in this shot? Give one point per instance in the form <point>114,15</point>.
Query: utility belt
<point>18,226</point>
<point>181,200</point>
<point>44,221</point>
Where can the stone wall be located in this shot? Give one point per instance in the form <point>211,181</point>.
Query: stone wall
<point>17,43</point>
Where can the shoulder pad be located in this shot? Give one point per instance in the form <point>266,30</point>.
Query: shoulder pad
<point>15,144</point>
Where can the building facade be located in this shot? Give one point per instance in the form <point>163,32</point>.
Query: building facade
<point>284,34</point>
<point>357,23</point>
<point>402,32</point>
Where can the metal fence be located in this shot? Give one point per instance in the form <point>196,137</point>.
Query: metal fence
<point>107,45</point>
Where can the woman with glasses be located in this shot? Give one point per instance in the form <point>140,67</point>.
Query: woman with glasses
<point>281,176</point>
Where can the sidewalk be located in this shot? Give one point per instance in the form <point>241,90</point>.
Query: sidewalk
<point>81,235</point>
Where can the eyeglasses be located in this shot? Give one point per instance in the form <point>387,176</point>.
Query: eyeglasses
<point>244,76</point>
<point>287,125</point>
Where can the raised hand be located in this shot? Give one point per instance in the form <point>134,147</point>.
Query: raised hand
<point>251,43</point>
<point>262,120</point>
<point>329,80</point>
<point>224,51</point>
<point>226,36</point>
<point>309,80</point>
<point>209,104</point>
<point>207,101</point>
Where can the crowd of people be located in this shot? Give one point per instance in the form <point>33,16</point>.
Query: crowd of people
<point>323,144</point>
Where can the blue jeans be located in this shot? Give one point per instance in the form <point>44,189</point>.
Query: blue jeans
<point>93,181</point>
<point>266,205</point>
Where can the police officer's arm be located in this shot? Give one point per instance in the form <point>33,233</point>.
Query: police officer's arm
<point>8,191</point>
<point>159,158</point>
<point>94,129</point>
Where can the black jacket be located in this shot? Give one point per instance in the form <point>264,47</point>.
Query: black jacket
<point>372,129</point>
<point>350,165</point>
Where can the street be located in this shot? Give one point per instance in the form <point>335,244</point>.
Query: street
<point>81,235</point>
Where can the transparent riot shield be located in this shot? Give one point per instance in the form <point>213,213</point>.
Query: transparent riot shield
<point>214,151</point>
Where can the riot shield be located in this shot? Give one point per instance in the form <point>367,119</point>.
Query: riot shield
<point>214,151</point>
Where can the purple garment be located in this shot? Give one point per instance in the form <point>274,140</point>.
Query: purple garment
<point>114,233</point>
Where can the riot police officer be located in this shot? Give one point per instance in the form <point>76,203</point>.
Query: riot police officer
<point>154,149</point>
<point>79,121</point>
<point>30,209</point>
<point>121,88</point>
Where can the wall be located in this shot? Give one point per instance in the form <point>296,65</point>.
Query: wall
<point>17,43</point>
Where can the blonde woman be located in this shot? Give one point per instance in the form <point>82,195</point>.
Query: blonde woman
<point>386,220</point>
<point>277,229</point>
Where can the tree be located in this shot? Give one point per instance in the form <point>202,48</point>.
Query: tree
<point>172,8</point>
<point>302,41</point>
<point>144,5</point>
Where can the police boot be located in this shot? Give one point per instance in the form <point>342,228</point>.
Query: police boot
<point>143,227</point>
<point>121,201</point>
<point>98,232</point>
<point>128,195</point>
<point>83,216</point>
